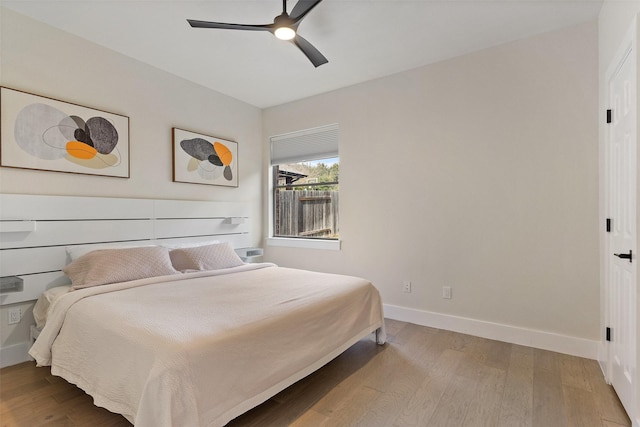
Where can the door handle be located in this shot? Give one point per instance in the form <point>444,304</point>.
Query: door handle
<point>625,256</point>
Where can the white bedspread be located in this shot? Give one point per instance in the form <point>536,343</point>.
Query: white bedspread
<point>199,349</point>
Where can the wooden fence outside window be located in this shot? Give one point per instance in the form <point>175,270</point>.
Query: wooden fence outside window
<point>307,213</point>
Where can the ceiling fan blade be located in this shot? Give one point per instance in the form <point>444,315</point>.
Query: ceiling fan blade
<point>301,9</point>
<point>310,52</point>
<point>207,24</point>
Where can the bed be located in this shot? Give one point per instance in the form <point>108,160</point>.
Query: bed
<point>168,339</point>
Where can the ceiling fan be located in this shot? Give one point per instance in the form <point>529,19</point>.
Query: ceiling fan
<point>284,27</point>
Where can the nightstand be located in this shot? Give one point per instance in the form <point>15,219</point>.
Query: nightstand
<point>249,254</point>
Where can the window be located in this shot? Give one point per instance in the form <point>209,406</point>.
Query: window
<point>306,170</point>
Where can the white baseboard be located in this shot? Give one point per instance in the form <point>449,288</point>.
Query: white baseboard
<point>602,360</point>
<point>512,334</point>
<point>14,354</point>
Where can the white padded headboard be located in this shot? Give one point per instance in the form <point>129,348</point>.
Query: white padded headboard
<point>35,231</point>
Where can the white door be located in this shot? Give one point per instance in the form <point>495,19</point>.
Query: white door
<point>623,260</point>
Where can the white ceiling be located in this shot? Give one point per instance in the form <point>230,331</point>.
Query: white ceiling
<point>363,39</point>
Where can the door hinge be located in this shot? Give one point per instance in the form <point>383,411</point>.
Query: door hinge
<point>608,225</point>
<point>608,333</point>
<point>609,116</point>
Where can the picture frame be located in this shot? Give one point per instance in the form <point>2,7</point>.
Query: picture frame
<point>204,159</point>
<point>47,134</point>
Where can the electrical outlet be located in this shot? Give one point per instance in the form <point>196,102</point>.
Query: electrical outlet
<point>14,315</point>
<point>446,292</point>
<point>406,286</point>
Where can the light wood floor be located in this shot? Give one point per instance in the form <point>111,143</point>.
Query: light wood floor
<point>422,377</point>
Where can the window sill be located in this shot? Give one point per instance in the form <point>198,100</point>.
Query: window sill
<point>332,245</point>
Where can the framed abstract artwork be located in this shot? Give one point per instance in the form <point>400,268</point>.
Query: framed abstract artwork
<point>204,159</point>
<point>43,133</point>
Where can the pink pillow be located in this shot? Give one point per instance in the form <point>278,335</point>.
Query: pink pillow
<point>209,257</point>
<point>106,266</point>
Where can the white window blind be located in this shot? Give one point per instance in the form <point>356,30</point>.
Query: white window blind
<point>305,145</point>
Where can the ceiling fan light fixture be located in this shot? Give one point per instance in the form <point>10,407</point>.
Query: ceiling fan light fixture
<point>285,33</point>
<point>284,27</point>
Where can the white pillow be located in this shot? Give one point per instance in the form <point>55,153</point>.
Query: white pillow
<point>106,266</point>
<point>41,309</point>
<point>210,257</point>
<point>76,251</point>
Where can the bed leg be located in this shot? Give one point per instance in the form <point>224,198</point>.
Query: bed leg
<point>381,336</point>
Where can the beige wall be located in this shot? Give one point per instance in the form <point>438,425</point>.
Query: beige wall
<point>45,61</point>
<point>40,59</point>
<point>616,17</point>
<point>479,173</point>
